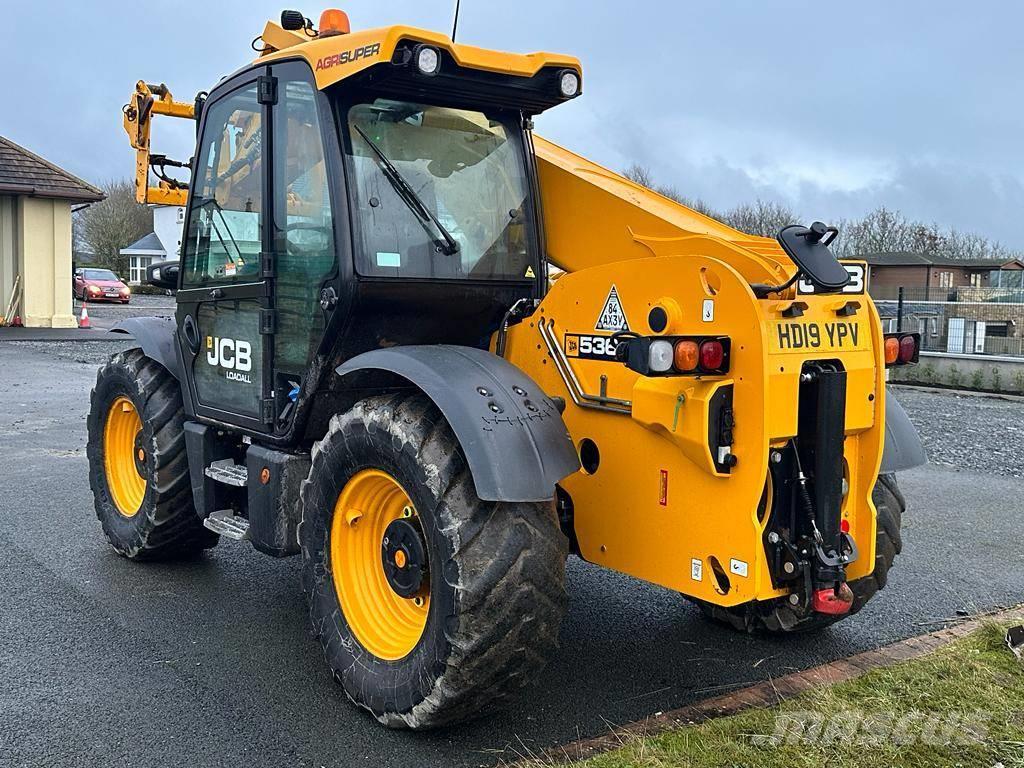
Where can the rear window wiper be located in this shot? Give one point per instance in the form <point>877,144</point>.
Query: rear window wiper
<point>445,243</point>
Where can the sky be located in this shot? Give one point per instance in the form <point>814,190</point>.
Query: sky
<point>834,108</point>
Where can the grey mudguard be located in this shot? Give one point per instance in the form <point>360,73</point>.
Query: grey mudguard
<point>156,337</point>
<point>903,449</point>
<point>511,432</point>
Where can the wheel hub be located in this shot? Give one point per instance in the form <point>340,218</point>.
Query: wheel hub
<point>378,560</point>
<point>140,455</point>
<point>404,557</point>
<point>124,457</point>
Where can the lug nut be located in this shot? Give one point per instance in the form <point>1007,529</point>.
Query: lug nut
<point>776,457</point>
<point>788,567</point>
<point>773,538</point>
<point>794,599</point>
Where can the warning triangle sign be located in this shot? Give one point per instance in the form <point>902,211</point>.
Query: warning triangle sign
<point>613,318</point>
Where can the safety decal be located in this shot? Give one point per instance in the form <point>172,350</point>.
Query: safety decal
<point>530,272</point>
<point>697,569</point>
<point>738,567</point>
<point>613,317</point>
<point>707,313</point>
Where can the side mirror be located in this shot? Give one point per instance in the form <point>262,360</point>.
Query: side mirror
<point>808,248</point>
<point>163,274</point>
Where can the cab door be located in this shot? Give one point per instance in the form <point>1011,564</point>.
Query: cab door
<point>225,301</point>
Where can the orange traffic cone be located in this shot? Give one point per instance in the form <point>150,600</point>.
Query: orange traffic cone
<point>84,321</point>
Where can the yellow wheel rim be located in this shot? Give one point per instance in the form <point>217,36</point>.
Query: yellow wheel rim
<point>127,487</point>
<point>385,624</point>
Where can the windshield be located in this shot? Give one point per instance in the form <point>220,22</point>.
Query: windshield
<point>99,274</point>
<point>468,181</point>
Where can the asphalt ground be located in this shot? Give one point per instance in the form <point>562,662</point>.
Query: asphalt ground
<point>107,662</point>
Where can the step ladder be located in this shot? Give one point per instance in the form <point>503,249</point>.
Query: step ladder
<point>227,472</point>
<point>224,521</point>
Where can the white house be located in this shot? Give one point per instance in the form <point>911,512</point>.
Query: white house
<point>162,244</point>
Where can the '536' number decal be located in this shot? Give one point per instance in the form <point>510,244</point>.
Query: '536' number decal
<point>590,347</point>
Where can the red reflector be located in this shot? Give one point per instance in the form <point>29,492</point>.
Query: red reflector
<point>712,355</point>
<point>828,601</point>
<point>844,526</point>
<point>908,347</point>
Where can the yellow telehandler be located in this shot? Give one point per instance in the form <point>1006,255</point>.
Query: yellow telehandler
<point>434,354</point>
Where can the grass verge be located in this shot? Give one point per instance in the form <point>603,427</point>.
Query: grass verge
<point>962,705</point>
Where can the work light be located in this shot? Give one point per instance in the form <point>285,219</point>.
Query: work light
<point>569,83</point>
<point>428,60</point>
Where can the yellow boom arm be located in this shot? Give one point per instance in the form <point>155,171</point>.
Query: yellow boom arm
<point>146,101</point>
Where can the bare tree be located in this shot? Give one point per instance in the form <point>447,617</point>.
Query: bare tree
<point>886,231</point>
<point>639,174</point>
<point>762,218</point>
<point>106,227</point>
<point>879,231</point>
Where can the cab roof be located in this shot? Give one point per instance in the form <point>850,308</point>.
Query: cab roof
<point>341,56</point>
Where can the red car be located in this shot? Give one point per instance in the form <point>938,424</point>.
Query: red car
<point>100,285</point>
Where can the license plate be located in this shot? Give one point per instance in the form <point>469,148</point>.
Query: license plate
<point>814,336</point>
<point>112,293</point>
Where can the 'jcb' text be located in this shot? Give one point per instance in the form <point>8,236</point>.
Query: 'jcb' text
<point>816,336</point>
<point>231,354</point>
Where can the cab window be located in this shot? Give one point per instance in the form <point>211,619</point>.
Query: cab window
<point>467,174</point>
<point>226,207</point>
<point>305,254</point>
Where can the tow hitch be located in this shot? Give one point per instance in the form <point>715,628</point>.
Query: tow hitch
<point>807,546</point>
<point>834,601</point>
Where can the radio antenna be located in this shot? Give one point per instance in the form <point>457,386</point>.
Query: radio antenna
<point>455,25</point>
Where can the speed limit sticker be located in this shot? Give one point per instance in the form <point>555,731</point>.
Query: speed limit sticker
<point>590,347</point>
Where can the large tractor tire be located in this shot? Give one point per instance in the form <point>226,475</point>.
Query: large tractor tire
<point>779,619</point>
<point>138,468</point>
<point>432,605</point>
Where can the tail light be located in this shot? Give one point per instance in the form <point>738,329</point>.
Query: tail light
<point>668,356</point>
<point>902,348</point>
<point>712,355</point>
<point>687,355</point>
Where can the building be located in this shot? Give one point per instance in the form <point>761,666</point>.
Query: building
<point>932,277</point>
<point>36,200</point>
<point>162,244</point>
<point>960,306</point>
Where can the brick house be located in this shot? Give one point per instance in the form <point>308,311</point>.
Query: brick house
<point>930,277</point>
<point>963,306</point>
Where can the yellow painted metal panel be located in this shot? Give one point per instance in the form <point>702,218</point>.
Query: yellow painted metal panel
<point>337,57</point>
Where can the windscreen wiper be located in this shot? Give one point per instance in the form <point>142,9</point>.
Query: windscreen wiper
<point>445,243</point>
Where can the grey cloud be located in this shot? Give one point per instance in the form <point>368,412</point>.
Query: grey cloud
<point>910,104</point>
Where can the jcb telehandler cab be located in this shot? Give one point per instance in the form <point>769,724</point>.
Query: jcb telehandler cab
<point>373,366</point>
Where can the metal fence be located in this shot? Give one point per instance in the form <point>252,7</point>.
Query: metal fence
<point>959,320</point>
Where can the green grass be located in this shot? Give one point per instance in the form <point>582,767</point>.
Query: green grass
<point>974,680</point>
